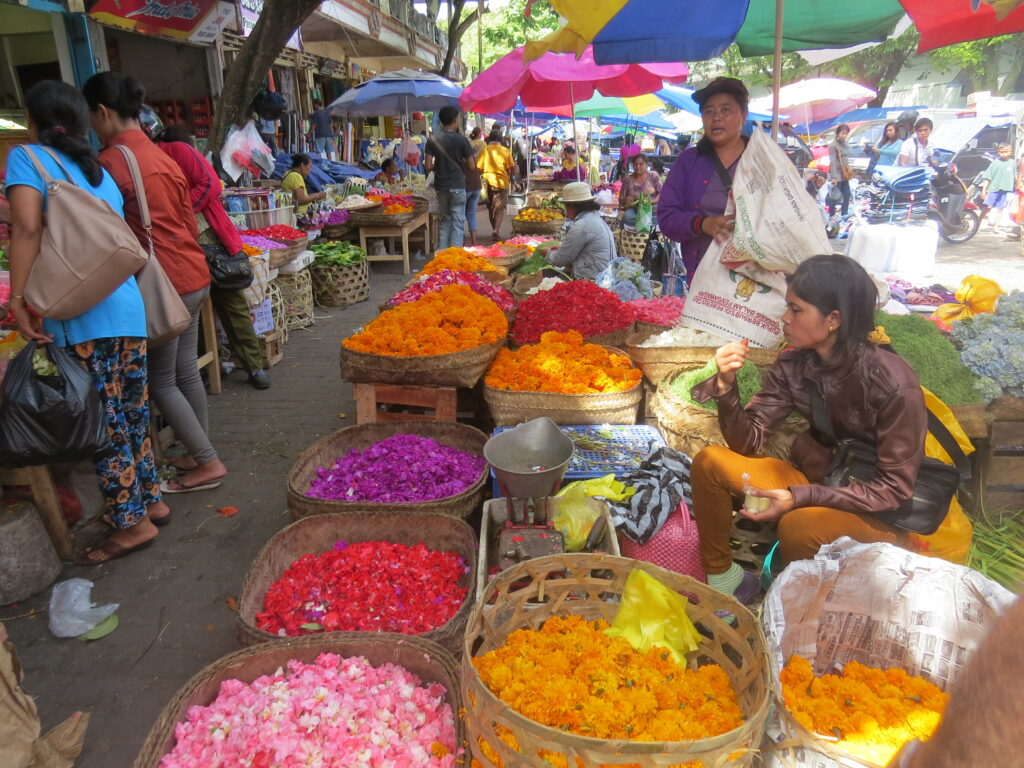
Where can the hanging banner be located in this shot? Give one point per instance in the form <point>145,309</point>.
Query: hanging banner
<point>250,10</point>
<point>216,20</point>
<point>173,18</point>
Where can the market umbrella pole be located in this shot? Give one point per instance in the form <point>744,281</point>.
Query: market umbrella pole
<point>777,69</point>
<point>575,143</point>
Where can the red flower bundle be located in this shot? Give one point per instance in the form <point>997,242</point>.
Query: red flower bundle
<point>373,586</point>
<point>578,305</point>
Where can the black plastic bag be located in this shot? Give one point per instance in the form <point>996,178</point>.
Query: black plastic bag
<point>47,419</point>
<point>655,258</point>
<point>270,105</point>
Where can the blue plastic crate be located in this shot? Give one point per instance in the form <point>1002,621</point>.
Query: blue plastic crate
<point>637,439</point>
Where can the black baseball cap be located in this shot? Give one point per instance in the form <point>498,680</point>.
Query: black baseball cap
<point>728,85</point>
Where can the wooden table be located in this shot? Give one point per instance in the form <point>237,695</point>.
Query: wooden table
<point>44,496</point>
<point>403,231</point>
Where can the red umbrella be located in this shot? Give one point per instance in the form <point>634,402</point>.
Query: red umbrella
<point>944,22</point>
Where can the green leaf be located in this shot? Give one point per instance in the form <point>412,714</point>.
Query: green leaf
<point>102,629</point>
<point>312,627</point>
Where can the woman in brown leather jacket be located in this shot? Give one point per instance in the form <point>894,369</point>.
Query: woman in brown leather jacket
<point>872,395</point>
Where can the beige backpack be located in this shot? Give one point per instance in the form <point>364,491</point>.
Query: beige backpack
<point>87,250</point>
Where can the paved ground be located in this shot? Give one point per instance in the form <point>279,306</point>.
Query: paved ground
<point>174,612</point>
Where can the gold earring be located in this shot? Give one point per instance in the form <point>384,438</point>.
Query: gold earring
<point>831,329</point>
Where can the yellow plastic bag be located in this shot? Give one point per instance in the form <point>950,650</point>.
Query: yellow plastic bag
<point>606,487</point>
<point>575,516</point>
<point>952,541</point>
<point>652,614</point>
<point>975,296</point>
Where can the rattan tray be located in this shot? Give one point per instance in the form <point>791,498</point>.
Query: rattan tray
<point>325,450</point>
<point>458,369</point>
<point>313,535</point>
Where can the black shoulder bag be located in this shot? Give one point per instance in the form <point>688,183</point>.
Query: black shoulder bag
<point>937,482</point>
<point>228,272</point>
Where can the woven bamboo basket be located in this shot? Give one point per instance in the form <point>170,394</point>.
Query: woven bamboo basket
<point>363,208</point>
<point>277,309</point>
<point>509,407</point>
<point>279,257</point>
<point>256,292</point>
<point>659,362</point>
<point>428,661</point>
<point>338,286</point>
<point>458,369</point>
<point>292,250</point>
<point>528,594</point>
<point>520,284</point>
<point>615,339</point>
<point>326,450</point>
<point>317,534</point>
<point>520,227</point>
<point>336,231</point>
<point>420,205</point>
<point>297,293</point>
<point>375,219</point>
<point>688,428</point>
<point>630,245</point>
<point>514,256</point>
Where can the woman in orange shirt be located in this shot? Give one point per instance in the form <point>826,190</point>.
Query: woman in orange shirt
<point>115,104</point>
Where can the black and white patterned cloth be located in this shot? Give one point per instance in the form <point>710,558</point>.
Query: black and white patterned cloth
<point>661,481</point>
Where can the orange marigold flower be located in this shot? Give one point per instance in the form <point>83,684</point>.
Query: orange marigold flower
<point>450,320</point>
<point>871,712</point>
<point>562,362</point>
<point>457,260</point>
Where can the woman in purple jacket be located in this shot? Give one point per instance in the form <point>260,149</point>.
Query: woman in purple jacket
<point>692,204</point>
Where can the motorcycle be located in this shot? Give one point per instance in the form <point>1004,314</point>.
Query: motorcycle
<point>951,206</point>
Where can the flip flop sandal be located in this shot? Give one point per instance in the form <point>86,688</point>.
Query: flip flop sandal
<point>160,522</point>
<point>165,487</point>
<point>112,550</point>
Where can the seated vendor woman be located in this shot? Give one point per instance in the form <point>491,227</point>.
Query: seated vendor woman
<point>389,173</point>
<point>588,245</point>
<point>294,181</point>
<point>871,395</point>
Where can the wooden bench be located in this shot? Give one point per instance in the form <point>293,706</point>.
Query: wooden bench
<point>44,496</point>
<point>436,403</point>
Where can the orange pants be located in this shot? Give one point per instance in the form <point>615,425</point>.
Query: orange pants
<point>716,478</point>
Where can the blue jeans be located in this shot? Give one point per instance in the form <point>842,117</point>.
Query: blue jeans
<point>451,207</point>
<point>472,202</point>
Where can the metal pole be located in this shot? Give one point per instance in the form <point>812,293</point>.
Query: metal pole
<point>777,69</point>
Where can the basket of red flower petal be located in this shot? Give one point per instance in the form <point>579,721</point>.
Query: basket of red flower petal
<point>577,305</point>
<point>368,687</point>
<point>415,466</point>
<point>598,698</point>
<point>565,379</point>
<point>412,574</point>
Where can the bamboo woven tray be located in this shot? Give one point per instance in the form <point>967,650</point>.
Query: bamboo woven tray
<point>659,362</point>
<point>536,227</point>
<point>374,219</point>
<point>428,661</point>
<point>313,535</point>
<point>458,369</point>
<point>327,449</point>
<point>589,585</point>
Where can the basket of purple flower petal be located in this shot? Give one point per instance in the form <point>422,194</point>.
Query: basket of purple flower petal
<point>391,467</point>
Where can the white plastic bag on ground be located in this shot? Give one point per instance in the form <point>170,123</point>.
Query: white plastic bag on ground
<point>72,612</point>
<point>876,604</point>
<point>778,224</point>
<point>735,304</point>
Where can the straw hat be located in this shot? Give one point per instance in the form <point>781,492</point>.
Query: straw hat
<point>577,192</point>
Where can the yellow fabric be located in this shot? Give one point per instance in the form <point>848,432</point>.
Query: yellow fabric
<point>652,614</point>
<point>292,181</point>
<point>583,20</point>
<point>494,164</point>
<point>952,541</point>
<point>975,296</point>
<point>879,336</point>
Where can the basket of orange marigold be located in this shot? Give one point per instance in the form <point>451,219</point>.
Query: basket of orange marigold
<point>542,684</point>
<point>460,260</point>
<point>564,378</point>
<point>447,338</point>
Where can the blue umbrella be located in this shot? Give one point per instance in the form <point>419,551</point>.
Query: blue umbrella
<point>654,121</point>
<point>682,98</point>
<point>398,93</point>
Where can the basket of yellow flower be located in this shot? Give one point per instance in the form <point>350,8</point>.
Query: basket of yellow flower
<point>458,260</point>
<point>445,338</point>
<point>242,673</point>
<point>564,379</point>
<point>592,700</point>
<point>537,221</point>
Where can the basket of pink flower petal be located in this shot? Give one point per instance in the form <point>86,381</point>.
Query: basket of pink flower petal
<point>337,699</point>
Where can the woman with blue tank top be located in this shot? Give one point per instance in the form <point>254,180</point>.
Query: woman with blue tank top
<point>109,340</point>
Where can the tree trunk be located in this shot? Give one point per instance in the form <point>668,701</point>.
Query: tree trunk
<point>456,29</point>
<point>887,77</point>
<point>278,21</point>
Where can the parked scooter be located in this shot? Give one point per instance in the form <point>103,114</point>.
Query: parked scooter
<point>951,206</point>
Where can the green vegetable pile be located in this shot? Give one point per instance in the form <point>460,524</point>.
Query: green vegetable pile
<point>933,357</point>
<point>997,549</point>
<point>537,260</point>
<point>337,253</point>
<point>748,378</point>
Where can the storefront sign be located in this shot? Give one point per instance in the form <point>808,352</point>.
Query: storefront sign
<point>250,10</point>
<point>210,28</point>
<point>174,18</point>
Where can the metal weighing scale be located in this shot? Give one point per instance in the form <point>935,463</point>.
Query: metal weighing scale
<point>529,463</point>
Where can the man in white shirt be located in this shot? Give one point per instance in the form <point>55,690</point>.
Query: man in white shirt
<point>915,150</point>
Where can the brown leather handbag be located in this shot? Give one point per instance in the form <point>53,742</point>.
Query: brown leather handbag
<point>86,253</point>
<point>166,314</point>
